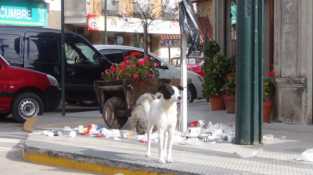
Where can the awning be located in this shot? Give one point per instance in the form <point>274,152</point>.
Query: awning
<point>170,37</point>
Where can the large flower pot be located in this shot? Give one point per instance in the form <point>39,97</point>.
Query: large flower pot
<point>267,110</point>
<point>217,103</point>
<point>229,101</point>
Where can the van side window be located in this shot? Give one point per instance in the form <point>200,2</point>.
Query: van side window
<point>42,50</point>
<point>79,53</point>
<point>72,57</point>
<point>10,48</point>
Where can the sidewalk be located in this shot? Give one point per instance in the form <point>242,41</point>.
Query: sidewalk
<point>106,156</point>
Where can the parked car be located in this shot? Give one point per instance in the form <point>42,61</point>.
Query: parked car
<point>115,54</point>
<point>39,49</point>
<point>26,93</point>
<point>191,65</point>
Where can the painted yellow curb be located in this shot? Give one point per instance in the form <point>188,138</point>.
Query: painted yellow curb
<point>45,159</point>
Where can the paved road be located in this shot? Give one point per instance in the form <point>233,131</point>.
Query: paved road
<point>11,137</point>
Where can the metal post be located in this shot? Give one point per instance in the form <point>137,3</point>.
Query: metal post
<point>62,60</point>
<point>249,71</point>
<point>183,107</point>
<point>105,21</point>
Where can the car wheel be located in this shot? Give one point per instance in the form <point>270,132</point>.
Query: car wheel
<point>110,113</point>
<point>191,93</point>
<point>26,105</point>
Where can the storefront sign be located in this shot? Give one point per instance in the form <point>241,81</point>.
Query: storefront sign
<point>23,14</point>
<point>132,25</point>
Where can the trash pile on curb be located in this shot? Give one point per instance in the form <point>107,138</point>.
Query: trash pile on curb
<point>210,132</point>
<point>197,132</point>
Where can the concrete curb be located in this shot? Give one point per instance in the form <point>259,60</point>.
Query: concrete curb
<point>91,164</point>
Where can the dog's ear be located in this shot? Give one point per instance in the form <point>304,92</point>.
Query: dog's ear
<point>180,88</point>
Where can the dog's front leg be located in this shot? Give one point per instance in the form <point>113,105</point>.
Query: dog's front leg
<point>161,145</point>
<point>149,132</point>
<point>170,144</point>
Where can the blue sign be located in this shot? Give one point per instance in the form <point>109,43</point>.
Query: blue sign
<point>23,14</point>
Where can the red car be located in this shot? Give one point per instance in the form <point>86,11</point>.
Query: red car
<point>26,93</point>
<point>197,68</point>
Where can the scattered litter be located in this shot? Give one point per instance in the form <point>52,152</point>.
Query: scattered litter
<point>217,133</point>
<point>197,132</point>
<point>268,138</point>
<point>307,156</point>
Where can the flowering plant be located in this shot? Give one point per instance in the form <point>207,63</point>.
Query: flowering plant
<point>133,67</point>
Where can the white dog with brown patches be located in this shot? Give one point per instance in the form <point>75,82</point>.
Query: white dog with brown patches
<point>160,111</point>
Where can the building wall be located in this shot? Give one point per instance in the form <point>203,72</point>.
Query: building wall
<point>293,59</point>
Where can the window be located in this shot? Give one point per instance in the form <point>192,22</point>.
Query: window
<point>78,52</point>
<point>72,57</point>
<point>112,6</point>
<point>10,48</point>
<point>42,50</point>
<point>87,52</point>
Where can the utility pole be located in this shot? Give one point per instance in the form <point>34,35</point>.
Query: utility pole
<point>62,60</point>
<point>145,36</point>
<point>184,103</point>
<point>105,21</point>
<point>249,72</point>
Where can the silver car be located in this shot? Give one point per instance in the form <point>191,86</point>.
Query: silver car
<point>115,54</point>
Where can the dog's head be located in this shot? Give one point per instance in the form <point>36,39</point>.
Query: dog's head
<point>170,92</point>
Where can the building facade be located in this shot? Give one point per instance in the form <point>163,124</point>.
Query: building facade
<point>288,42</point>
<point>293,59</point>
<point>119,22</point>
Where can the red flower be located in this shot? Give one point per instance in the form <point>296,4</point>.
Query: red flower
<point>141,62</point>
<point>126,62</point>
<point>156,64</point>
<point>113,68</point>
<point>122,66</point>
<point>146,59</point>
<point>270,74</point>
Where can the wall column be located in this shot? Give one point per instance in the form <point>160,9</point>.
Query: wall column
<point>293,60</point>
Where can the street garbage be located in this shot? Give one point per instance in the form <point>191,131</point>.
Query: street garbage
<point>211,132</point>
<point>198,132</point>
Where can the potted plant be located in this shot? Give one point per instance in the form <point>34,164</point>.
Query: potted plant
<point>215,67</point>
<point>268,93</point>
